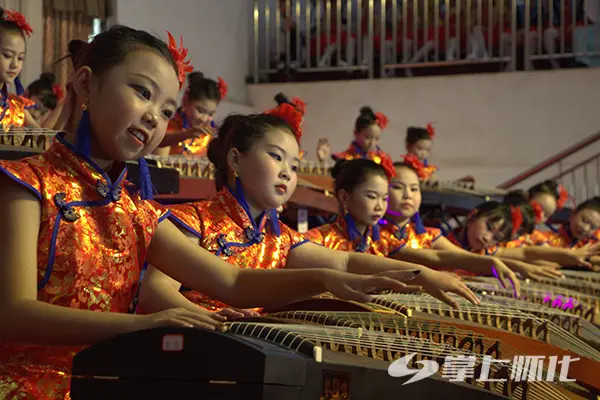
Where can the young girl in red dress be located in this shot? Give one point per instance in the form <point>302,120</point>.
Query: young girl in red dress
<point>256,158</point>
<point>419,142</point>
<point>14,108</point>
<point>75,234</point>
<point>192,128</point>
<point>368,128</point>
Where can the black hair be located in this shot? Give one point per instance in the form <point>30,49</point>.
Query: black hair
<point>365,119</point>
<point>241,132</point>
<point>546,187</point>
<point>110,48</point>
<point>589,204</point>
<point>399,164</point>
<point>43,89</point>
<point>281,98</point>
<point>495,212</point>
<point>200,87</point>
<point>9,26</point>
<point>414,134</point>
<point>350,173</point>
<point>520,199</point>
<point>42,85</point>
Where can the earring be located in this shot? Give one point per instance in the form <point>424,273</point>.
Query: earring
<point>235,174</point>
<point>84,107</point>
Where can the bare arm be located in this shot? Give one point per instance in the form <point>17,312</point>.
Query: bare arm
<point>160,292</point>
<point>29,120</point>
<point>567,257</point>
<point>315,256</point>
<point>199,269</point>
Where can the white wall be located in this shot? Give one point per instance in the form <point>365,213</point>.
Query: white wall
<point>217,33</point>
<point>490,125</point>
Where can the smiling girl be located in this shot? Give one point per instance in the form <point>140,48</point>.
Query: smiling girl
<point>191,130</point>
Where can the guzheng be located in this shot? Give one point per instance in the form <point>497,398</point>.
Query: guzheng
<point>341,338</point>
<point>261,360</point>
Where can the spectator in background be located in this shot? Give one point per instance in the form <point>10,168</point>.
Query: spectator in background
<point>587,38</point>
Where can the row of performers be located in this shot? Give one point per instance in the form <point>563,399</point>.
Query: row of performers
<point>76,235</point>
<point>192,128</point>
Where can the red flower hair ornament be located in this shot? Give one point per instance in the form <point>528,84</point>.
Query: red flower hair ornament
<point>537,211</point>
<point>59,92</point>
<point>18,19</point>
<point>563,196</point>
<point>381,119</point>
<point>291,115</point>
<point>299,104</point>
<point>388,166</point>
<point>430,131</point>
<point>179,54</point>
<point>517,219</point>
<point>413,161</point>
<point>222,85</point>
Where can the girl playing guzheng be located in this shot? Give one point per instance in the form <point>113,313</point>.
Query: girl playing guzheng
<point>549,196</point>
<point>403,221</point>
<point>582,229</point>
<point>256,158</point>
<point>368,128</point>
<point>191,130</point>
<point>491,223</point>
<point>419,142</point>
<point>362,188</point>
<point>75,234</point>
<point>533,215</point>
<point>14,108</point>
<point>46,94</point>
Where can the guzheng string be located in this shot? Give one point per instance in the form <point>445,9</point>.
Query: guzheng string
<point>489,310</point>
<point>340,336</point>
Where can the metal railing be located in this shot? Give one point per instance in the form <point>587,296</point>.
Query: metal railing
<point>379,37</point>
<point>582,180</point>
<point>577,168</point>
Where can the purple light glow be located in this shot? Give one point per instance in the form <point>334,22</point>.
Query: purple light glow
<point>548,297</point>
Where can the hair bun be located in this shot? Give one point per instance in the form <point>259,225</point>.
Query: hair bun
<point>516,198</point>
<point>281,98</point>
<point>48,78</point>
<point>339,166</point>
<point>367,111</point>
<point>195,78</point>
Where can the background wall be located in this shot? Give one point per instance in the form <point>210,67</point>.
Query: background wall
<point>493,126</point>
<point>217,33</point>
<point>490,125</point>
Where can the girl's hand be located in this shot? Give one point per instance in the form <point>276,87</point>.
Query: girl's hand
<point>235,313</point>
<point>537,272</point>
<point>438,283</point>
<point>505,275</point>
<point>348,286</point>
<point>579,257</point>
<point>183,318</point>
